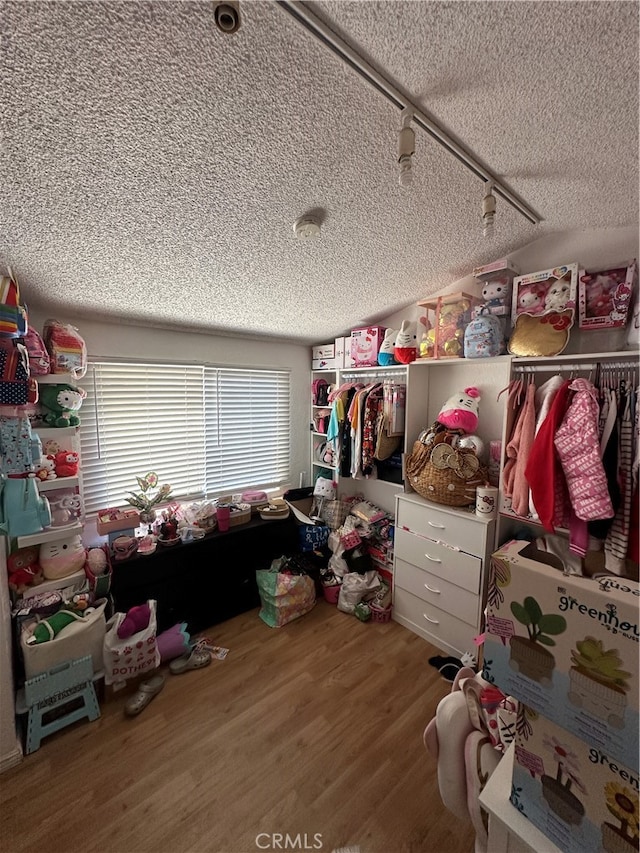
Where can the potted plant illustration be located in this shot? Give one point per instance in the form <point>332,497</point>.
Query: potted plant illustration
<point>597,683</point>
<point>148,497</point>
<point>557,791</point>
<point>527,653</point>
<point>623,805</point>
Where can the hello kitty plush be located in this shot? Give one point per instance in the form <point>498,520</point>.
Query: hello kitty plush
<point>531,299</point>
<point>497,295</point>
<point>460,411</point>
<point>558,296</point>
<point>62,557</point>
<point>406,343</point>
<point>385,355</point>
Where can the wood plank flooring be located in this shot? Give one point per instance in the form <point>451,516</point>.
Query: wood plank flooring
<point>314,728</point>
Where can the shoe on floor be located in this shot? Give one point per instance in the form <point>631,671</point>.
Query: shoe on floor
<point>144,694</point>
<point>195,660</point>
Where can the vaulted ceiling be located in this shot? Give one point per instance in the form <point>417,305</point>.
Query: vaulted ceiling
<point>152,166</point>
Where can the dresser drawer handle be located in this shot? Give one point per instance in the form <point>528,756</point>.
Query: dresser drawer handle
<point>437,591</point>
<point>439,526</point>
<point>433,621</point>
<point>433,559</point>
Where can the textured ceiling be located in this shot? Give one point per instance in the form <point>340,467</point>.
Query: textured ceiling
<point>152,166</point>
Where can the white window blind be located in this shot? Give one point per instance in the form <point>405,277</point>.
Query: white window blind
<point>205,430</point>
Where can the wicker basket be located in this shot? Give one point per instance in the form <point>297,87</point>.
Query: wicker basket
<point>442,483</point>
<point>240,514</point>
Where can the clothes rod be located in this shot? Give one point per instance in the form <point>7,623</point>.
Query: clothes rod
<point>377,374</point>
<point>564,367</point>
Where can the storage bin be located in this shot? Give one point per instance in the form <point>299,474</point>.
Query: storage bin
<point>331,593</point>
<point>379,614</point>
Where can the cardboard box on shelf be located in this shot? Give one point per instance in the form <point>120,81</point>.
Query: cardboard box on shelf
<point>112,520</point>
<point>566,645</point>
<point>323,351</point>
<point>343,352</point>
<point>324,363</point>
<point>573,791</point>
<point>365,346</point>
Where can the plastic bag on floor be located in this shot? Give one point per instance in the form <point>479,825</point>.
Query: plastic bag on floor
<point>355,588</point>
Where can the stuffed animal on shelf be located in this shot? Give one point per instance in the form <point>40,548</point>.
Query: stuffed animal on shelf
<point>62,557</point>
<point>386,352</point>
<point>460,411</point>
<point>406,344</point>
<point>66,463</point>
<point>59,404</point>
<point>497,295</point>
<point>531,299</point>
<point>46,468</point>
<point>23,569</point>
<point>558,296</point>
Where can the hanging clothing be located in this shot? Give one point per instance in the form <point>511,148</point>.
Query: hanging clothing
<point>515,399</point>
<point>609,447</point>
<point>578,444</point>
<point>543,471</point>
<point>545,395</point>
<point>616,543</point>
<point>518,450</point>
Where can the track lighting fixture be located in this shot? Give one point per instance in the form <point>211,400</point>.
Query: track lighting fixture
<point>488,211</point>
<point>406,148</point>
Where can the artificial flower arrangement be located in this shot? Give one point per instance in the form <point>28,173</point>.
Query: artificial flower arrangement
<point>149,496</point>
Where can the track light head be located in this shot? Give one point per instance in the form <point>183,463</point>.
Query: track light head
<point>488,211</point>
<point>406,148</point>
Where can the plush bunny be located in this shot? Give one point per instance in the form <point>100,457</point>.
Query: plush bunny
<point>558,296</point>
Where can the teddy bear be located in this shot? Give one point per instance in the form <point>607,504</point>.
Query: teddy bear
<point>558,296</point>
<point>59,403</point>
<point>66,462</point>
<point>24,569</point>
<point>531,299</point>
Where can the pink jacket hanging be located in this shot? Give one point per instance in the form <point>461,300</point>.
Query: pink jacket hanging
<point>578,444</point>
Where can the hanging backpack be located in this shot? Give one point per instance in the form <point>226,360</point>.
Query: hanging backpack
<point>14,373</point>
<point>483,337</point>
<point>320,392</point>
<point>67,349</point>
<point>39,361</point>
<point>13,315</point>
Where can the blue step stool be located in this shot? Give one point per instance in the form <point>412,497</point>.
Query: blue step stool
<point>51,691</point>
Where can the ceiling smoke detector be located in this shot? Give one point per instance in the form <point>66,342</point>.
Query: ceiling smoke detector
<point>306,227</point>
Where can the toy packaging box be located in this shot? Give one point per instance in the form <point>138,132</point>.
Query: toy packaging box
<point>573,791</point>
<point>343,352</point>
<point>566,646</point>
<point>365,345</point>
<point>551,290</point>
<point>604,298</point>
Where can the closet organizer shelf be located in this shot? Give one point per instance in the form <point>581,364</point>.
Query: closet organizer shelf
<point>50,534</point>
<point>58,483</point>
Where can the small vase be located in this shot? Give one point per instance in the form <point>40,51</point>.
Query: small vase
<point>148,517</point>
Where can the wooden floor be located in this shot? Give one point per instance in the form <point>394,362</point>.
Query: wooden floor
<point>311,728</point>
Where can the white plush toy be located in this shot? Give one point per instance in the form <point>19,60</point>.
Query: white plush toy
<point>62,557</point>
<point>385,353</point>
<point>406,344</point>
<point>557,296</point>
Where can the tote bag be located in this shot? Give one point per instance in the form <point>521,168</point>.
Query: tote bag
<point>284,597</point>
<point>133,656</point>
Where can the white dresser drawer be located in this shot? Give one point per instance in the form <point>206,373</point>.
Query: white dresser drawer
<point>436,626</point>
<point>437,592</point>
<point>453,526</point>
<point>454,566</point>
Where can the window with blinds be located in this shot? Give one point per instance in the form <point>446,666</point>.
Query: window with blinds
<point>205,430</point>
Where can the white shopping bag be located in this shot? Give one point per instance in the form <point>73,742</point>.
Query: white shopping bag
<point>132,656</point>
